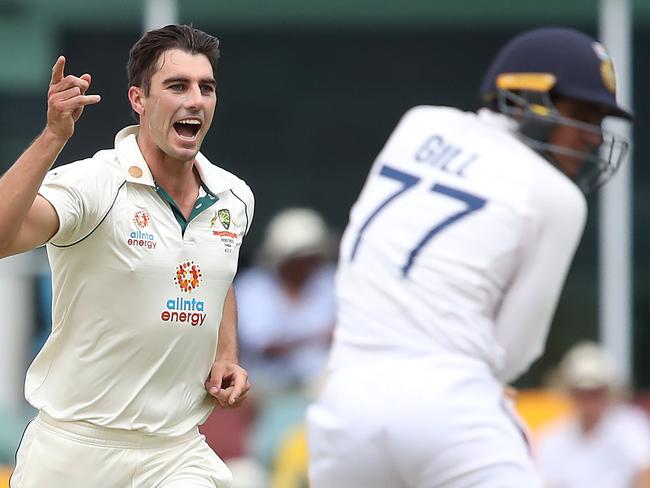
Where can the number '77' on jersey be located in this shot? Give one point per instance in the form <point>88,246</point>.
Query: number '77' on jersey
<point>409,181</point>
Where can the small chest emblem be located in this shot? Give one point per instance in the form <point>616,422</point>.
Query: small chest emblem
<point>227,237</point>
<point>223,216</point>
<point>141,237</point>
<point>141,219</point>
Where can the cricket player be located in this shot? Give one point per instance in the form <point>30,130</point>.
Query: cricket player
<point>143,242</point>
<point>450,271</point>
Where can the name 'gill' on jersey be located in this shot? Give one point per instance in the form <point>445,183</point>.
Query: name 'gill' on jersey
<point>438,237</point>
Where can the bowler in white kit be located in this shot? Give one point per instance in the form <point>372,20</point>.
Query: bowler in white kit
<point>143,241</point>
<point>450,270</point>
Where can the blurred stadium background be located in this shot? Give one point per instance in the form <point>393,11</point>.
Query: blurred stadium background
<point>308,92</point>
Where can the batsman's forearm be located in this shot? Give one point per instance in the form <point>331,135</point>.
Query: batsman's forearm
<point>227,345</point>
<point>19,185</point>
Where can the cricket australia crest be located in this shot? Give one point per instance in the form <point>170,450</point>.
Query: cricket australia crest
<point>227,237</point>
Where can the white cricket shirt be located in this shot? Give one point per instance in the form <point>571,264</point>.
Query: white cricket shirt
<point>459,244</point>
<point>137,302</point>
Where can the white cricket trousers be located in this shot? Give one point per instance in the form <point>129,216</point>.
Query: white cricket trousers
<point>54,454</point>
<point>440,423</point>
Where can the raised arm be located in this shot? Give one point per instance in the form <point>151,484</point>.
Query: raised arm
<point>27,220</point>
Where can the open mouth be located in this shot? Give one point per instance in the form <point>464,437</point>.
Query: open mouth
<point>187,128</point>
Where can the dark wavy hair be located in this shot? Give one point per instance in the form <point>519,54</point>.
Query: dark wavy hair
<point>145,54</point>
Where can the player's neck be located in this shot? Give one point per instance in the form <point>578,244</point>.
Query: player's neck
<point>178,178</point>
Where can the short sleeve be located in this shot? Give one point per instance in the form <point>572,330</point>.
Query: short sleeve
<point>81,194</point>
<point>244,193</point>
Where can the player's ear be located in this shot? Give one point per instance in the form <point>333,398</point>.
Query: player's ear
<point>136,98</point>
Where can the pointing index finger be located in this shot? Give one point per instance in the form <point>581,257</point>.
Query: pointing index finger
<point>57,70</point>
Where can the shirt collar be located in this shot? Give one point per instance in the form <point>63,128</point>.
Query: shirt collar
<point>136,169</point>
<point>497,119</point>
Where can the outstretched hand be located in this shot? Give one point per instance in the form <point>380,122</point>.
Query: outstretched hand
<point>228,383</point>
<point>66,99</point>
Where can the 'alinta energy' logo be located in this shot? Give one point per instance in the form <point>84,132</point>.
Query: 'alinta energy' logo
<point>187,277</point>
<point>140,237</point>
<point>141,219</point>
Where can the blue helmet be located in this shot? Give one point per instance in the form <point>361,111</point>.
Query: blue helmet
<point>580,67</point>
<point>542,65</point>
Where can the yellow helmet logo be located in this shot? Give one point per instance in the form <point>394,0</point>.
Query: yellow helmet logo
<point>607,73</point>
<point>606,67</point>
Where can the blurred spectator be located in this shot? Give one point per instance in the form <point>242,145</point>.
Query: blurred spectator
<point>605,443</point>
<point>286,303</point>
<point>287,310</point>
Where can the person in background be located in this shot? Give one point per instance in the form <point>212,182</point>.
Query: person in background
<point>287,303</point>
<point>287,311</point>
<point>606,442</point>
